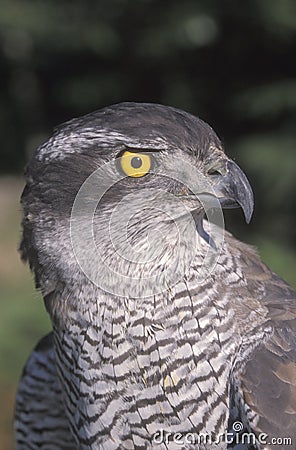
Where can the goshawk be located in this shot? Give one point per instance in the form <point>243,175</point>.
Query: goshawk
<point>168,332</point>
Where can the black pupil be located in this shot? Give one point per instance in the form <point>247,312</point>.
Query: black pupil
<point>136,162</point>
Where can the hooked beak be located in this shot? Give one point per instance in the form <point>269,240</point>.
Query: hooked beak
<point>233,189</point>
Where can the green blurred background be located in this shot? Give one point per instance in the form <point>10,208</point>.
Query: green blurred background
<point>230,62</point>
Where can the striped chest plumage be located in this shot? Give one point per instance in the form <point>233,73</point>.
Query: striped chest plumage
<point>154,364</point>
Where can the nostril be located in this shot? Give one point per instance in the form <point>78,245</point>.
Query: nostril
<point>213,172</point>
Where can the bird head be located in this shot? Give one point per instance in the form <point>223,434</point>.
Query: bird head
<point>119,180</point>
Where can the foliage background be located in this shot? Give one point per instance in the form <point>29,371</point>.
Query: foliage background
<point>232,63</point>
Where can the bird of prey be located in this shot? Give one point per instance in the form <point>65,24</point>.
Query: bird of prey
<point>167,332</point>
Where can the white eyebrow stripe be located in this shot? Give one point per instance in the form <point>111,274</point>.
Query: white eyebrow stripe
<point>64,143</point>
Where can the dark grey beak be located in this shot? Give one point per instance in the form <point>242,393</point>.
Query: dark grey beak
<point>233,189</point>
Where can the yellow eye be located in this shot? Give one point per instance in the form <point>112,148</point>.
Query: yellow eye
<point>135,164</point>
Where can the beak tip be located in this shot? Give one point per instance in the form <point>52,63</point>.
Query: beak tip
<point>243,192</point>
<point>248,207</point>
<point>248,218</point>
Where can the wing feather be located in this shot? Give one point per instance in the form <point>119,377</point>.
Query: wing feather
<point>40,419</point>
<point>268,381</point>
